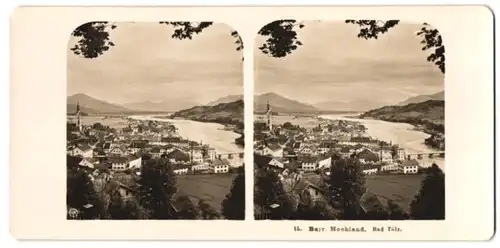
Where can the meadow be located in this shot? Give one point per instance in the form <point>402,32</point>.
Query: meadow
<point>401,189</point>
<point>209,187</point>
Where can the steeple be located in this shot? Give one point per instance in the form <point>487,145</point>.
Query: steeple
<point>78,116</point>
<point>269,116</point>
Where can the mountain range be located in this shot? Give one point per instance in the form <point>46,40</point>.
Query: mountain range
<point>91,105</point>
<point>166,106</point>
<point>423,98</point>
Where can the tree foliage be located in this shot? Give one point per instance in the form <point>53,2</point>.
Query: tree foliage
<point>429,203</point>
<point>93,39</point>
<point>80,193</point>
<point>233,206</point>
<point>207,212</point>
<point>119,209</point>
<point>346,186</point>
<point>157,186</point>
<point>270,196</point>
<point>281,38</point>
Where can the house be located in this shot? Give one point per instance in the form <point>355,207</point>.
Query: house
<point>137,145</point>
<point>308,163</point>
<point>401,153</point>
<point>210,152</point>
<point>345,151</point>
<point>409,166</point>
<point>181,169</point>
<point>261,161</point>
<point>118,151</point>
<point>324,162</point>
<point>134,162</point>
<point>326,146</point>
<point>178,156</point>
<point>83,150</point>
<point>274,150</point>
<point>200,167</point>
<point>367,156</point>
<point>386,155</point>
<point>370,169</point>
<point>196,156</point>
<point>389,167</point>
<point>118,163</point>
<point>220,166</point>
<point>155,152</point>
<point>87,162</point>
<point>171,140</point>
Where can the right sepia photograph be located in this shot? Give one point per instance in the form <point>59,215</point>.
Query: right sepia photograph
<point>349,121</point>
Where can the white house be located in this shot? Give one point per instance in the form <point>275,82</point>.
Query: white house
<point>410,166</point>
<point>197,156</point>
<point>220,166</point>
<point>308,164</point>
<point>119,163</point>
<point>86,163</point>
<point>134,162</point>
<point>324,162</point>
<point>273,150</point>
<point>200,166</point>
<point>181,170</point>
<point>386,156</point>
<point>118,150</point>
<point>276,163</point>
<point>389,167</point>
<point>370,170</point>
<point>84,151</point>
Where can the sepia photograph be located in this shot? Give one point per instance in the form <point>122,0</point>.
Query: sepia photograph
<point>349,121</point>
<point>155,121</point>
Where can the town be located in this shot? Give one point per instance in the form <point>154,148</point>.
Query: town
<point>303,158</point>
<point>114,156</point>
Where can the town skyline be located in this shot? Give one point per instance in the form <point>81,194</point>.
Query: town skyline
<point>334,64</point>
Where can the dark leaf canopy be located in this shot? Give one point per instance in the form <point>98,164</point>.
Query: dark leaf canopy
<point>93,39</point>
<point>281,38</point>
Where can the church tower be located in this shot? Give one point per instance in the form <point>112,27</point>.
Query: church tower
<point>78,116</point>
<point>269,117</point>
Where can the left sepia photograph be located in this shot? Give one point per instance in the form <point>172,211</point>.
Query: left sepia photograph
<point>155,121</point>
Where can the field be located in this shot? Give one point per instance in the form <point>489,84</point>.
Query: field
<point>211,188</point>
<point>399,188</point>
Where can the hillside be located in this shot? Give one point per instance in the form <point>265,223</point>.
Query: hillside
<point>96,106</point>
<point>430,114</point>
<point>224,113</point>
<point>423,98</point>
<point>281,104</point>
<point>71,109</point>
<point>226,99</point>
<point>165,106</point>
<point>352,106</point>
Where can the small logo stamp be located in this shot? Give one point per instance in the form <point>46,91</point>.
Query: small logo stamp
<point>73,213</point>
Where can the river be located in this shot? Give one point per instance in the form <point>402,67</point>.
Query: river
<point>209,133</point>
<point>397,133</point>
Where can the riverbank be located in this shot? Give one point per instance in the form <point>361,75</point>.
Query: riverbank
<point>209,133</point>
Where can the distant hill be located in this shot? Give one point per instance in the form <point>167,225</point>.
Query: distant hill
<point>88,103</point>
<point>166,106</point>
<point>281,104</point>
<point>423,98</point>
<point>224,113</point>
<point>226,99</point>
<point>71,109</point>
<point>429,114</point>
<point>352,106</point>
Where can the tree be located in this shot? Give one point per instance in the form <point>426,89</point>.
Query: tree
<point>81,195</point>
<point>270,196</point>
<point>98,126</point>
<point>396,212</point>
<point>233,206</point>
<point>429,203</point>
<point>346,186</point>
<point>206,211</point>
<point>119,209</point>
<point>307,209</point>
<point>282,38</point>
<point>186,209</point>
<point>157,186</point>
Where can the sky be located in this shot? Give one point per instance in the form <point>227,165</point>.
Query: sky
<point>146,64</point>
<point>334,64</point>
